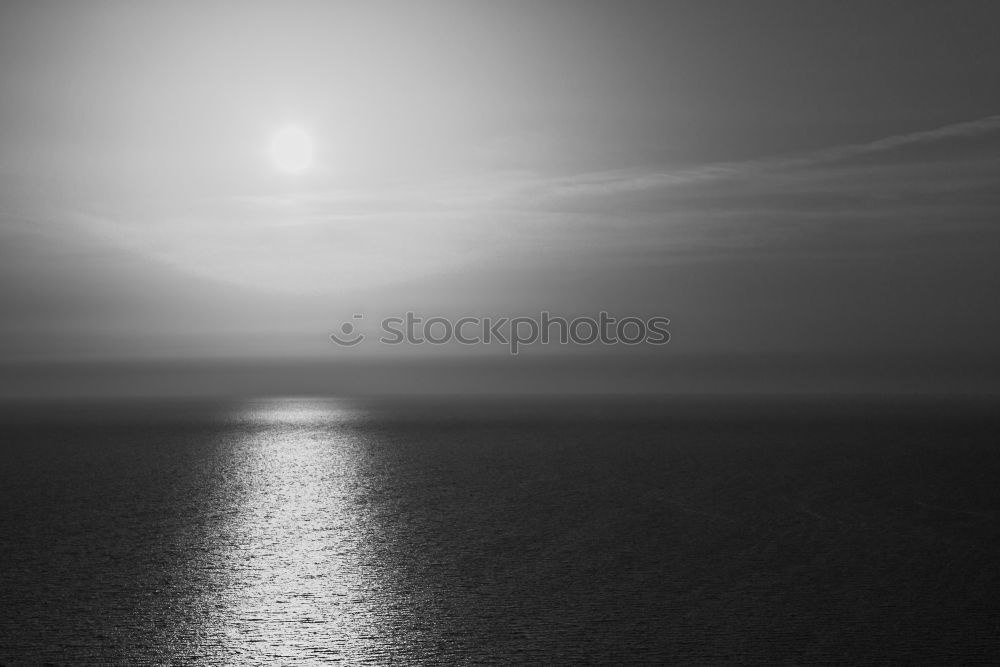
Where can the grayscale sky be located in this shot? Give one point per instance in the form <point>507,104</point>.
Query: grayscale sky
<point>806,189</point>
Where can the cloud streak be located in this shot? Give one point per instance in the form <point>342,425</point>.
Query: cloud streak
<point>633,181</point>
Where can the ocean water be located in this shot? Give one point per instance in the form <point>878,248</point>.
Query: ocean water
<point>307,531</point>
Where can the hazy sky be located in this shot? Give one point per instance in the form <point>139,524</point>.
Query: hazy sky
<point>808,184</point>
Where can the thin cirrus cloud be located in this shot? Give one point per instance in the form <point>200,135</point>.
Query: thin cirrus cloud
<point>631,180</point>
<point>331,240</point>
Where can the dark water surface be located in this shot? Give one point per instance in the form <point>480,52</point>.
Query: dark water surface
<point>311,531</point>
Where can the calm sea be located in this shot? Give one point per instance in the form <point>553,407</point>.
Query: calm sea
<point>307,531</point>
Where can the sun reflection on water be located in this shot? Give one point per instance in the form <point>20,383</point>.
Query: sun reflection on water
<point>291,582</point>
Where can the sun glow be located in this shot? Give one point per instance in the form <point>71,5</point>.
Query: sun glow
<point>292,150</point>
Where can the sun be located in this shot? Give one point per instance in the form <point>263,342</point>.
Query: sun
<point>292,150</point>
